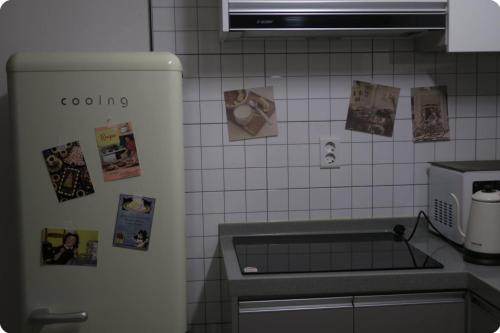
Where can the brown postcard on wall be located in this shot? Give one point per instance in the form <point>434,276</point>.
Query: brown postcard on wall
<point>430,114</point>
<point>372,108</point>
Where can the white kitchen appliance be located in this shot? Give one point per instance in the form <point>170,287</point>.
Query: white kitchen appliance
<point>302,18</point>
<point>60,98</point>
<point>451,186</point>
<point>482,241</point>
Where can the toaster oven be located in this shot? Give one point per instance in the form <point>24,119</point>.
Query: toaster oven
<point>451,185</point>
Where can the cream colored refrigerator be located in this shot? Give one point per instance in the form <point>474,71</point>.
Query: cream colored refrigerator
<point>62,98</point>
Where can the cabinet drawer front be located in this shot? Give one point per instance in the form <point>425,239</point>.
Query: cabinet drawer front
<point>429,313</point>
<point>409,299</point>
<point>321,315</point>
<point>295,304</point>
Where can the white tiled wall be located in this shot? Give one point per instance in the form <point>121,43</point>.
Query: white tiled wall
<point>279,178</point>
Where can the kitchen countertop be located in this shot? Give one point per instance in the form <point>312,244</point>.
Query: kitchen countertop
<point>456,274</point>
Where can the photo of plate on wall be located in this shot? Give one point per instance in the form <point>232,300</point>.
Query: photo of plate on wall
<point>251,113</point>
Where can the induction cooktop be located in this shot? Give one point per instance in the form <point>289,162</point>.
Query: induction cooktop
<point>328,253</point>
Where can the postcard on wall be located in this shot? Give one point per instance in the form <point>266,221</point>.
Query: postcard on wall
<point>251,113</point>
<point>430,114</point>
<point>372,108</point>
<point>69,247</point>
<point>118,151</point>
<point>68,171</point>
<point>133,222</point>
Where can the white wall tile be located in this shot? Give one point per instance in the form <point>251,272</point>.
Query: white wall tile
<point>277,178</point>
<point>298,110</point>
<point>486,149</point>
<point>382,196</point>
<point>465,150</point>
<point>298,199</point>
<point>234,179</point>
<point>383,174</point>
<point>213,202</point>
<point>361,197</point>
<point>298,155</point>
<point>341,197</point>
<point>213,180</point>
<point>235,201</point>
<point>319,87</point>
<point>297,87</point>
<point>403,174</point>
<point>424,152</point>
<point>211,111</point>
<point>298,177</point>
<point>465,128</point>
<point>192,180</point>
<point>208,18</point>
<point>403,152</point>
<point>383,152</point>
<point>340,63</point>
<point>319,109</point>
<point>341,177</point>
<point>403,195</point>
<point>320,198</point>
<point>277,200</point>
<point>275,64</point>
<point>298,133</point>
<point>210,89</point>
<point>361,175</point>
<point>186,42</point>
<point>164,41</point>
<point>192,158</point>
<point>361,153</point>
<point>256,178</point>
<point>255,156</point>
<point>256,201</point>
<point>340,86</point>
<point>193,202</point>
<point>253,65</point>
<point>319,64</point>
<point>296,64</point>
<point>209,42</point>
<point>211,134</point>
<point>319,177</point>
<point>486,128</point>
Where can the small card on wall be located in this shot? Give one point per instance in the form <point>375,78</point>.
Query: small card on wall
<point>372,108</point>
<point>429,106</point>
<point>68,171</point>
<point>69,247</point>
<point>118,151</point>
<point>251,113</point>
<point>133,222</point>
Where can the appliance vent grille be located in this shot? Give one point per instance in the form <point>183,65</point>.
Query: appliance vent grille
<point>443,213</point>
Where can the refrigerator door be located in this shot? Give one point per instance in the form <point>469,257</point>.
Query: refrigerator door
<point>60,98</point>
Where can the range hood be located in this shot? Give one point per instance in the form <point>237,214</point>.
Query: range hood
<point>302,18</point>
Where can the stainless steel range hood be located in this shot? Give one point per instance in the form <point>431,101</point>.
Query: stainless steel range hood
<point>300,18</point>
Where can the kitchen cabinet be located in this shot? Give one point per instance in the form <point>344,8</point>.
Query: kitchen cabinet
<point>319,315</point>
<point>410,313</point>
<point>483,317</point>
<point>473,26</point>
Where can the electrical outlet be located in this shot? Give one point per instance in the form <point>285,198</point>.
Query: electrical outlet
<point>329,153</point>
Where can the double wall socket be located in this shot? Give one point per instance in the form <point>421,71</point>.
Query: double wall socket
<point>329,153</point>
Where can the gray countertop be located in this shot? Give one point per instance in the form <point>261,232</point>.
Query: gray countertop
<point>456,274</point>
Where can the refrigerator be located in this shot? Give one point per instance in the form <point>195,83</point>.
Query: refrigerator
<point>99,191</point>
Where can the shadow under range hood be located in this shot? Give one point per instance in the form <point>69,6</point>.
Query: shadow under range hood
<point>308,18</point>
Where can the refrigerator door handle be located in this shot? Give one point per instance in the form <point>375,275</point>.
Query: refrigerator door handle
<point>44,317</point>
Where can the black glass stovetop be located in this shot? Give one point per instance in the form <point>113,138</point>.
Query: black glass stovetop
<point>328,253</point>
